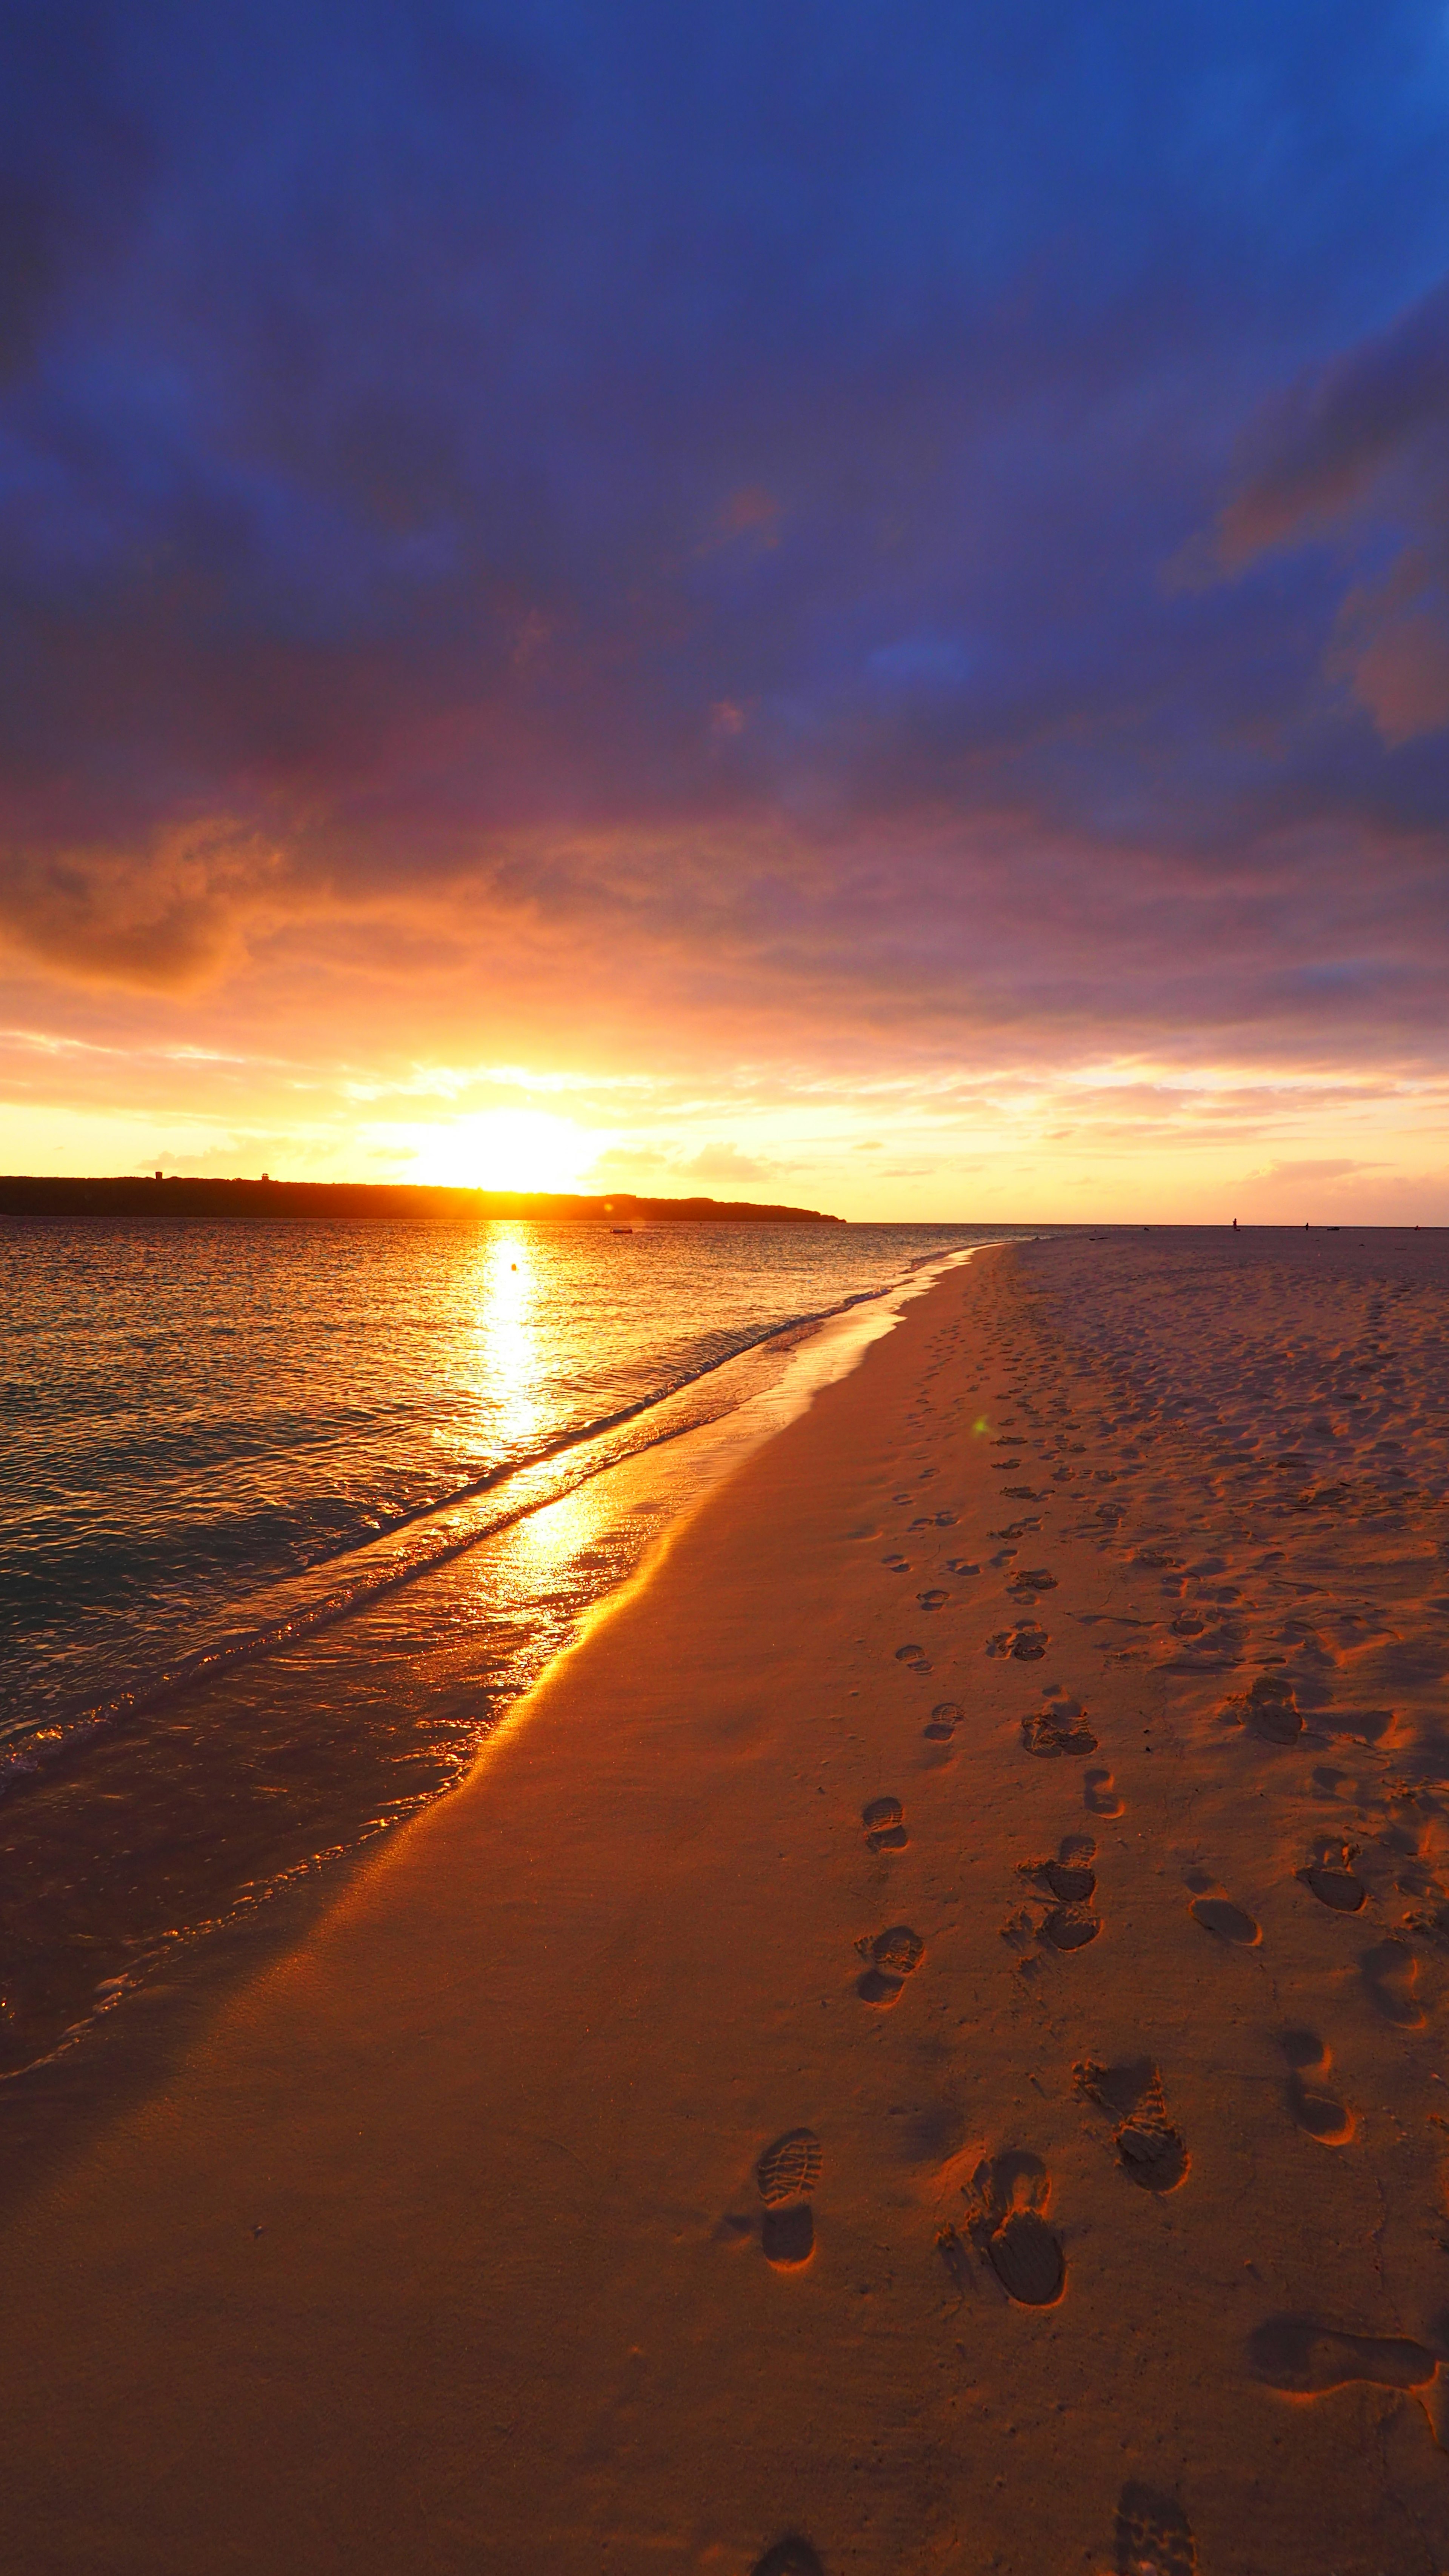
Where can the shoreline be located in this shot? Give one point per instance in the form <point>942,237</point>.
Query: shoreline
<point>369,1561</point>
<point>456,2241</point>
<point>113,2051</point>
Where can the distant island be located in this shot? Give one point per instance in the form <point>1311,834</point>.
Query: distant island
<point>134,1196</point>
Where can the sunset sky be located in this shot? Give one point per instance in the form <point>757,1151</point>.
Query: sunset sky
<point>844,604</point>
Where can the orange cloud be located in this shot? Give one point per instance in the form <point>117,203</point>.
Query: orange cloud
<point>169,917</point>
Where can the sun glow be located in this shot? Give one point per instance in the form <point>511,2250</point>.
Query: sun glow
<point>506,1149</point>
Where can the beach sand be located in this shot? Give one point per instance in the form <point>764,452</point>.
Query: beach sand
<point>920,2045</point>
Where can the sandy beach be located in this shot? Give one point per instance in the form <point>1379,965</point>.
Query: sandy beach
<point>918,2046</point>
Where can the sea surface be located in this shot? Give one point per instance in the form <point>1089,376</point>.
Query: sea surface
<point>291,1513</point>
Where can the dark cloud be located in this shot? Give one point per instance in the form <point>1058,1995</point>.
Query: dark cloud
<point>689,496</point>
<point>1319,451</point>
<point>1355,451</point>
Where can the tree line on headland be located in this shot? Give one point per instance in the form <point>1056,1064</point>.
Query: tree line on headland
<point>132,1195</point>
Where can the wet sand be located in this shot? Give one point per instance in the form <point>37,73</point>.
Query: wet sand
<point>920,2044</point>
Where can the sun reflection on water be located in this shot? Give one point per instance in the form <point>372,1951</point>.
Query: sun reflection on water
<point>506,1335</point>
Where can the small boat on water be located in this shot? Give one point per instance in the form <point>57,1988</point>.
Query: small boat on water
<point>621,1229</point>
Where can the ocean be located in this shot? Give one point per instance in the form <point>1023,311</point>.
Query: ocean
<point>292,1513</point>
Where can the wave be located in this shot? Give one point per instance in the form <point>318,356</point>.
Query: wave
<point>28,1740</point>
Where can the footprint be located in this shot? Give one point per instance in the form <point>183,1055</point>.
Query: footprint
<point>1008,2224</point>
<point>1063,1729</point>
<point>1272,1710</point>
<point>1228,1921</point>
<point>893,1956</point>
<point>1152,2151</point>
<point>1070,1877</point>
<point>791,2556</point>
<point>1306,2359</point>
<point>933,1600</point>
<point>787,2173</point>
<point>946,1716</point>
<point>1031,1583</point>
<point>885,1825</point>
<point>1027,1642</point>
<point>961,1565</point>
<point>1390,1972</point>
<point>1099,1793</point>
<point>1216,1913</point>
<point>1334,1884</point>
<point>1153,2536</point>
<point>1073,1921</point>
<point>915,1656</point>
<point>1317,2113</point>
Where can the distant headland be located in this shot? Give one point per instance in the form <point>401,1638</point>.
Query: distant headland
<point>177,1197</point>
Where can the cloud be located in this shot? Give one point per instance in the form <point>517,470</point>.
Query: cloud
<point>1317,451</point>
<point>1351,449</point>
<point>752,514</point>
<point>1321,1167</point>
<point>725,1163</point>
<point>168,917</point>
<point>1330,1190</point>
<point>1402,677</point>
<point>638,538</point>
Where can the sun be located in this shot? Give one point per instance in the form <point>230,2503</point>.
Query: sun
<point>506,1149</point>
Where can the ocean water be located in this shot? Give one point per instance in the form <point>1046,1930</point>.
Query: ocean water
<point>291,1514</point>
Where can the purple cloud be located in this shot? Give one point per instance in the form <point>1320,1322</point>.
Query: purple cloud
<point>566,521</point>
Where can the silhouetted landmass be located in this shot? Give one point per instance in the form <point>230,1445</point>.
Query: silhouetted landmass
<point>178,1198</point>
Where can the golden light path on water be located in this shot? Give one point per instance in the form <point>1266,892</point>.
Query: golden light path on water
<point>506,1335</point>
